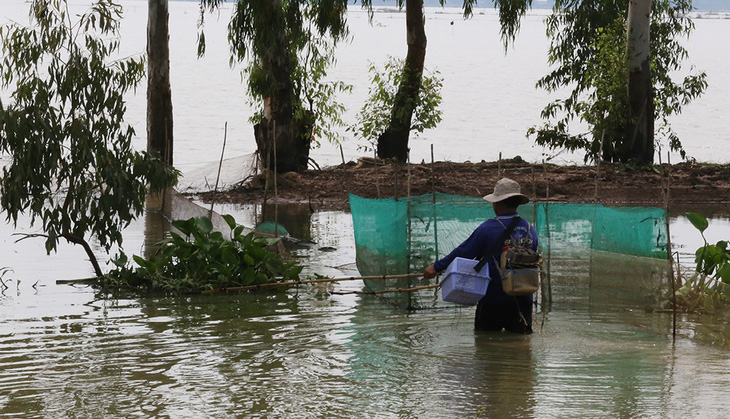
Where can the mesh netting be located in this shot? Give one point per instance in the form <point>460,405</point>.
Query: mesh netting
<point>228,174</point>
<point>402,236</point>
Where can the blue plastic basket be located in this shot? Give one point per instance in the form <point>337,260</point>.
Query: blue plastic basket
<point>462,285</point>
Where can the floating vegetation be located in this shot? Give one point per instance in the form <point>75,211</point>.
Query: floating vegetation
<point>196,258</point>
<point>708,287</point>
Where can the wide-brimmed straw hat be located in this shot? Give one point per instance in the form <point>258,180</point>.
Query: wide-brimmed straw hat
<point>506,188</point>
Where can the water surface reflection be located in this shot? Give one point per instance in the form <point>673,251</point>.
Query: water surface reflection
<point>598,351</point>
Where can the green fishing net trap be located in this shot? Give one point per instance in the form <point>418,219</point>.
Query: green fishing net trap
<point>396,236</point>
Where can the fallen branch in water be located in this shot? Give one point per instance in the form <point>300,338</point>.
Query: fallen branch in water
<point>77,281</point>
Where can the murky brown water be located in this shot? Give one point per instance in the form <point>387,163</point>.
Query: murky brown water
<point>597,352</point>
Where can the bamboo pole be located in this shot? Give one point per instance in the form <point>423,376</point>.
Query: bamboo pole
<point>395,178</point>
<point>220,165</point>
<point>424,287</point>
<point>666,186</point>
<point>309,281</point>
<point>377,173</point>
<point>547,182</point>
<point>410,232</point>
<point>266,185</point>
<point>276,192</point>
<point>435,213</point>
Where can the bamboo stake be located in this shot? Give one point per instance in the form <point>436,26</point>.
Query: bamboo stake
<point>266,185</point>
<point>435,215</point>
<point>276,192</point>
<point>410,232</point>
<point>309,281</point>
<point>547,182</point>
<point>598,168</point>
<point>666,188</point>
<point>499,166</point>
<point>342,154</point>
<point>425,287</point>
<point>377,173</point>
<point>220,165</point>
<point>395,178</point>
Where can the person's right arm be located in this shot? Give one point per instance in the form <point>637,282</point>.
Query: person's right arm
<point>471,248</point>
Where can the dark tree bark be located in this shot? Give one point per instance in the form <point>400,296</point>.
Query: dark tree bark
<point>278,124</point>
<point>159,95</point>
<point>639,140</point>
<point>393,143</point>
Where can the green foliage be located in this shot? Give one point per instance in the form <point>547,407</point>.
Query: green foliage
<point>309,31</point>
<point>72,164</point>
<point>706,288</point>
<point>712,260</point>
<point>198,258</point>
<point>588,52</point>
<point>375,115</point>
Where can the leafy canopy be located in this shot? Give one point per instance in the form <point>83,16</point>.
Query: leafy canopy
<point>374,116</point>
<point>71,164</point>
<point>310,31</point>
<point>589,55</point>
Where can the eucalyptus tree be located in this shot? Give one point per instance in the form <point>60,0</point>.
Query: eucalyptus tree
<point>71,162</point>
<point>159,94</point>
<point>393,141</point>
<point>619,64</point>
<point>287,46</point>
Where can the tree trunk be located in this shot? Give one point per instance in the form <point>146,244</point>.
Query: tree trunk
<point>394,141</point>
<point>639,138</point>
<point>278,124</point>
<point>159,96</point>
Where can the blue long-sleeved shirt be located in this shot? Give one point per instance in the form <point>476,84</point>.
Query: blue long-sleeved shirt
<point>481,240</point>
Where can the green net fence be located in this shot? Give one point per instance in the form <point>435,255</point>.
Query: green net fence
<point>394,236</point>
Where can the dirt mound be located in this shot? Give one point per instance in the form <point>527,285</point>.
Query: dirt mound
<point>690,183</point>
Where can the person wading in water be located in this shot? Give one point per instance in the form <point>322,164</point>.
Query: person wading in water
<point>497,310</point>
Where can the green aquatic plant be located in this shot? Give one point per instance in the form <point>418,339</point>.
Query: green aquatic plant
<point>197,258</point>
<point>707,288</point>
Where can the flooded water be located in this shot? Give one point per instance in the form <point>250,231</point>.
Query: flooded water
<point>598,350</point>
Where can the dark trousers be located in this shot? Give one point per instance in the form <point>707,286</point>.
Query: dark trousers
<point>514,316</point>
